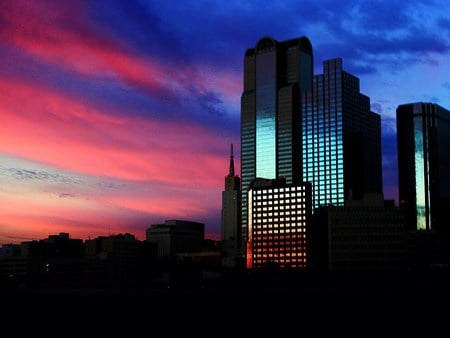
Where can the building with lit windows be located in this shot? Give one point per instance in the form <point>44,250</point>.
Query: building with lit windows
<point>231,218</point>
<point>423,147</point>
<point>341,138</point>
<point>275,75</point>
<point>278,224</point>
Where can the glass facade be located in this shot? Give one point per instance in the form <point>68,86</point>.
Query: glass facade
<point>248,136</point>
<point>323,146</point>
<point>266,102</point>
<point>306,128</point>
<point>341,138</point>
<point>275,75</point>
<point>420,173</point>
<point>423,143</point>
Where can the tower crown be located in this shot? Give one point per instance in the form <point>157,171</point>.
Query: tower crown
<point>231,172</point>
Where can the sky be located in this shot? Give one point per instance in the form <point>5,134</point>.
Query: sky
<point>115,115</point>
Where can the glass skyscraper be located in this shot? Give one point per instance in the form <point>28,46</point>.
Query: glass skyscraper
<point>305,128</point>
<point>423,143</point>
<point>275,76</point>
<point>341,138</point>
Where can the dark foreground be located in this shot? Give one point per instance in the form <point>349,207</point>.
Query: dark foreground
<point>378,307</point>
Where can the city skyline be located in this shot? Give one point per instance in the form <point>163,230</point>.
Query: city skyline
<point>117,115</point>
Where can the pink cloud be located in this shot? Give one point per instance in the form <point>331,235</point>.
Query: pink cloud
<point>173,162</point>
<point>178,176</point>
<point>36,215</point>
<point>62,35</point>
<point>43,126</point>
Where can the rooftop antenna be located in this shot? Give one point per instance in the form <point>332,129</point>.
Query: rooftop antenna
<point>231,162</point>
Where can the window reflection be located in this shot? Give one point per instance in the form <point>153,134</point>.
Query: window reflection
<point>419,171</point>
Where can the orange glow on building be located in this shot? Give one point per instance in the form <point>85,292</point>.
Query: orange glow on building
<point>278,220</point>
<point>249,237</point>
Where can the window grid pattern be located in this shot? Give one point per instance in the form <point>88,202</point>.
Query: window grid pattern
<point>278,221</point>
<point>323,147</point>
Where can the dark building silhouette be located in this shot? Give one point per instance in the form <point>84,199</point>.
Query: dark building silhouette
<point>55,260</point>
<point>278,224</point>
<point>427,251</point>
<point>60,245</point>
<point>200,267</point>
<point>119,257</point>
<point>176,236</point>
<point>13,267</point>
<point>341,138</point>
<point>365,235</point>
<point>275,76</point>
<point>10,250</point>
<point>231,218</point>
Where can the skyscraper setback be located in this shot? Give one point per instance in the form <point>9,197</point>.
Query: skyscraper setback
<point>341,138</point>
<point>305,128</point>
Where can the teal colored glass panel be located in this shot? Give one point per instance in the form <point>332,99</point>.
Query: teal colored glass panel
<point>265,115</point>
<point>419,171</point>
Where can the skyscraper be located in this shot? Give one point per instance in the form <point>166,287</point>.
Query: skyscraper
<point>231,217</point>
<point>275,76</point>
<point>341,138</point>
<point>423,143</point>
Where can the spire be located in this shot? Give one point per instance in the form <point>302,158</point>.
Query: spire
<point>231,162</point>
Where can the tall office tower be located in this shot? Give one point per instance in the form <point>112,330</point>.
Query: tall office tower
<point>278,225</point>
<point>423,144</point>
<point>275,75</point>
<point>341,138</point>
<point>231,218</point>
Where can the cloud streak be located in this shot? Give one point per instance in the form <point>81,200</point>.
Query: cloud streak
<point>116,114</point>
